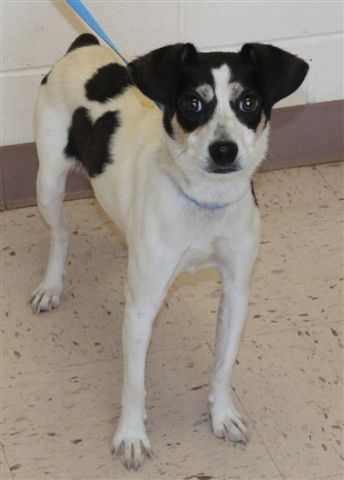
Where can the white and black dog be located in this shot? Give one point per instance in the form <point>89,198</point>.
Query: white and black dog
<point>177,182</point>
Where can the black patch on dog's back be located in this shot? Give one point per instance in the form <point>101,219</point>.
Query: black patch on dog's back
<point>108,82</point>
<point>83,40</point>
<point>89,142</point>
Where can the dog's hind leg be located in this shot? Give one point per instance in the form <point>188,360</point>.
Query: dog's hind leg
<point>51,180</point>
<point>50,194</point>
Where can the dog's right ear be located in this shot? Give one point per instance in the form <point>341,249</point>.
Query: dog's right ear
<point>279,73</point>
<point>155,74</point>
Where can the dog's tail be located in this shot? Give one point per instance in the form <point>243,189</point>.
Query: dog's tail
<point>83,40</point>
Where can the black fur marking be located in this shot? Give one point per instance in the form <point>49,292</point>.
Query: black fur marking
<point>199,72</point>
<point>83,40</point>
<point>192,76</point>
<point>108,82</point>
<point>167,118</point>
<point>156,73</point>
<point>265,71</point>
<point>254,194</point>
<point>250,119</point>
<point>45,79</point>
<point>89,142</point>
<point>277,73</point>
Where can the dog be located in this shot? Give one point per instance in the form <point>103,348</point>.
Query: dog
<point>177,181</point>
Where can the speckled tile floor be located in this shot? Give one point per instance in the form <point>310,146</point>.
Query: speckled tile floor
<point>62,371</point>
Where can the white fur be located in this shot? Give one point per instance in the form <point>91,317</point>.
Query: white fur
<point>143,192</point>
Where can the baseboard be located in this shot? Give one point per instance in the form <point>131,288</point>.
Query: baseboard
<point>301,135</point>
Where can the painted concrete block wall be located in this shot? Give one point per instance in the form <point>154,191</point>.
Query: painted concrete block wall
<point>34,34</point>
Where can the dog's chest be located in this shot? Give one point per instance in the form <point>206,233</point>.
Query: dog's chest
<point>208,238</point>
<point>202,246</point>
<point>197,258</point>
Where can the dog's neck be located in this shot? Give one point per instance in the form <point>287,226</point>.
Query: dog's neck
<point>207,206</point>
<point>204,191</point>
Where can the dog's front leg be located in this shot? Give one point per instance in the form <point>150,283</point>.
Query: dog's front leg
<point>148,281</point>
<point>236,270</point>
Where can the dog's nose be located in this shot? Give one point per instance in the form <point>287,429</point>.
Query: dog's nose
<point>223,153</point>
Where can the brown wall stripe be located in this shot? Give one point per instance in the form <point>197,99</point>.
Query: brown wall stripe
<point>301,135</point>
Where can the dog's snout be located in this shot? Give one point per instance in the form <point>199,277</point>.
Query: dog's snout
<point>223,153</point>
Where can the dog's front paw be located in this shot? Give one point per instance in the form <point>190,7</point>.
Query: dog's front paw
<point>132,449</point>
<point>229,425</point>
<point>45,298</point>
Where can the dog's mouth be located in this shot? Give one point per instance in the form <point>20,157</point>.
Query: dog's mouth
<point>223,170</point>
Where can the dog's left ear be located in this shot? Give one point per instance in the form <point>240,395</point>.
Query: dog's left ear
<point>156,73</point>
<point>279,72</point>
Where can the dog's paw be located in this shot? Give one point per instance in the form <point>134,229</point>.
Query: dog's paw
<point>132,450</point>
<point>229,425</point>
<point>45,298</point>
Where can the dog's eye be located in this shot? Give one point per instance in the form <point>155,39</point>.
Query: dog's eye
<point>248,104</point>
<point>192,105</point>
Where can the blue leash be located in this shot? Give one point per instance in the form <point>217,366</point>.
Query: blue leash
<point>80,9</point>
<point>86,16</point>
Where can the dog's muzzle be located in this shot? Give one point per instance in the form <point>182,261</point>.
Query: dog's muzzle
<point>223,156</point>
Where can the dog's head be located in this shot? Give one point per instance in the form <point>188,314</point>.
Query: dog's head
<point>217,105</point>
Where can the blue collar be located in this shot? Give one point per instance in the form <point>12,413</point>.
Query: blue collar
<point>212,206</point>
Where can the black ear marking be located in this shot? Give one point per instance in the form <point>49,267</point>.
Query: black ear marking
<point>156,73</point>
<point>279,72</point>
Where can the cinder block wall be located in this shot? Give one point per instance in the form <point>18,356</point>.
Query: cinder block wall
<point>36,33</point>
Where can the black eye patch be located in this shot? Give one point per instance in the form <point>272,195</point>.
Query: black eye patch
<point>248,104</point>
<point>191,105</point>
<point>193,111</point>
<point>248,108</point>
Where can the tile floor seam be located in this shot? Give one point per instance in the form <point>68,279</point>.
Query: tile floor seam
<point>181,296</point>
<point>210,348</point>
<point>329,185</point>
<point>334,476</point>
<point>280,474</point>
<point>169,349</point>
<point>258,435</point>
<point>284,476</point>
<point>6,460</point>
<point>112,358</point>
<point>300,327</point>
<point>283,330</point>
<point>59,368</point>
